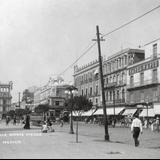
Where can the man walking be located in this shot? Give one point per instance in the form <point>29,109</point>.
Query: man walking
<point>136,129</point>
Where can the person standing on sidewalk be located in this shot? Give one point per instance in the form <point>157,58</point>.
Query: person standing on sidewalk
<point>136,129</point>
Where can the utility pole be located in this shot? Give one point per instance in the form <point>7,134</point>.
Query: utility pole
<point>102,85</point>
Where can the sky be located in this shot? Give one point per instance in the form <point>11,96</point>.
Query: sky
<point>41,38</point>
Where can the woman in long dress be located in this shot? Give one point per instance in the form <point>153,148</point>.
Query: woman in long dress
<point>27,122</point>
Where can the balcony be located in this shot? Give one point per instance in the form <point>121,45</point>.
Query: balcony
<point>111,85</point>
<point>118,101</point>
<point>143,84</point>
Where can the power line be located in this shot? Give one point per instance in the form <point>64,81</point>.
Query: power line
<point>135,19</point>
<point>122,26</point>
<point>88,49</point>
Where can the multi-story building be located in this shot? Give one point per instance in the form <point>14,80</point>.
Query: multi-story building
<point>5,98</point>
<point>115,76</point>
<point>52,94</point>
<point>143,78</point>
<point>87,80</point>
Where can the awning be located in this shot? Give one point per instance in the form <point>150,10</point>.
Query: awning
<point>150,113</point>
<point>85,114</point>
<point>110,111</point>
<point>129,112</point>
<point>157,108</point>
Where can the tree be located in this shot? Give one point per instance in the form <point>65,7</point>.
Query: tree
<point>79,105</point>
<point>21,112</point>
<point>28,96</point>
<point>11,113</point>
<point>42,109</point>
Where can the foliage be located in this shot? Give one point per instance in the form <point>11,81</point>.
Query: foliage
<point>42,108</point>
<point>21,112</point>
<point>28,96</point>
<point>78,104</point>
<point>11,113</point>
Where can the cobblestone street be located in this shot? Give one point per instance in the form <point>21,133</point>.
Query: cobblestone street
<point>18,143</point>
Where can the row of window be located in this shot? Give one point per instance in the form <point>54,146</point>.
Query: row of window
<point>116,64</point>
<point>5,102</point>
<point>144,96</point>
<point>118,78</point>
<point>115,95</point>
<point>90,92</point>
<point>4,89</point>
<point>154,78</point>
<point>86,78</point>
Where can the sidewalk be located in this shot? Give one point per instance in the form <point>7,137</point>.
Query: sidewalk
<point>61,144</point>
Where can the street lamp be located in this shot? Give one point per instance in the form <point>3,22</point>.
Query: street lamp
<point>114,119</point>
<point>71,90</point>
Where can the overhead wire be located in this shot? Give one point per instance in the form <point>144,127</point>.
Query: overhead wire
<point>107,34</point>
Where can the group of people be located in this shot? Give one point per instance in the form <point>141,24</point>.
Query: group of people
<point>47,126</point>
<point>25,121</point>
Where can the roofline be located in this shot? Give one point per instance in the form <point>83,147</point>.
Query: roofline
<point>124,51</point>
<point>152,42</point>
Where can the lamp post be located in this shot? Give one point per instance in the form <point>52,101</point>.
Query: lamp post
<point>70,91</point>
<point>114,119</point>
<point>147,115</point>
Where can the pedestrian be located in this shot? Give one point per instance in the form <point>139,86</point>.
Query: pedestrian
<point>7,120</point>
<point>49,123</point>
<point>27,122</point>
<point>157,124</point>
<point>44,128</point>
<point>14,120</point>
<point>136,129</point>
<point>61,120</point>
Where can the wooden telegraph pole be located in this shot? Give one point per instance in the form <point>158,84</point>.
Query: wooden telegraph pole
<point>102,85</point>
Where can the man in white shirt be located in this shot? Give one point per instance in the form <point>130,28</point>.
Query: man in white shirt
<point>136,129</point>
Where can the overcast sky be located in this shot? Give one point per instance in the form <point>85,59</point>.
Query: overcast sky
<point>40,38</point>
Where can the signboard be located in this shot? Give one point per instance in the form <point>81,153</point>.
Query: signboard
<point>145,66</point>
<point>157,108</point>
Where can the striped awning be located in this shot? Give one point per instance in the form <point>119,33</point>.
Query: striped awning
<point>110,111</point>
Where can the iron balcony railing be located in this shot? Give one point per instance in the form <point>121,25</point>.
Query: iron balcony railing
<point>143,83</point>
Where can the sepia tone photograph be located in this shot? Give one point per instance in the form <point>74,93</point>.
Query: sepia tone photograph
<point>79,79</point>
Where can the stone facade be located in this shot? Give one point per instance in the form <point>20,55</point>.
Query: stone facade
<point>5,98</point>
<point>87,80</point>
<point>143,78</point>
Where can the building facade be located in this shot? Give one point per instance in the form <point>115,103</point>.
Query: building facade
<point>115,76</point>
<point>52,94</point>
<point>143,78</point>
<point>87,80</point>
<point>5,98</point>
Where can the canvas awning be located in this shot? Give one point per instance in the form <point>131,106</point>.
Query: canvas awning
<point>110,111</point>
<point>85,114</point>
<point>149,114</point>
<point>129,112</point>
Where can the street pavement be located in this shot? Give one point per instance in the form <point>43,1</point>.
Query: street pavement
<point>17,143</point>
